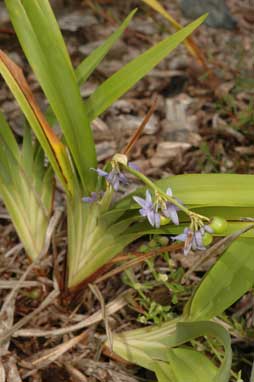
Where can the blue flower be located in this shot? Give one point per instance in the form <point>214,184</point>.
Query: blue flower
<point>193,240</point>
<point>170,210</point>
<point>114,177</point>
<point>95,196</point>
<point>148,209</point>
<point>134,166</point>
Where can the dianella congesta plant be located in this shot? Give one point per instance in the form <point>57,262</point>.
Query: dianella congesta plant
<point>96,229</point>
<point>194,208</point>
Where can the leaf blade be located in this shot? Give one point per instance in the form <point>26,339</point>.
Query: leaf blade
<point>87,66</point>
<point>222,285</point>
<point>126,77</point>
<point>57,79</point>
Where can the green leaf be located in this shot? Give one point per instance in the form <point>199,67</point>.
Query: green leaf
<point>88,65</point>
<point>185,364</point>
<point>154,347</point>
<point>42,43</point>
<point>26,187</point>
<point>53,147</point>
<point>120,82</point>
<point>204,190</point>
<point>93,238</point>
<point>227,281</point>
<point>189,330</point>
<point>7,135</point>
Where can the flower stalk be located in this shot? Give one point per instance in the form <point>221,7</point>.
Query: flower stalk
<point>197,220</point>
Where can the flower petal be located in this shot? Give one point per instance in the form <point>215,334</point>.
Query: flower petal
<point>208,229</point>
<point>140,201</point>
<point>99,171</point>
<point>157,220</point>
<point>171,213</point>
<point>174,216</point>
<point>151,217</point>
<point>169,192</point>
<point>180,237</point>
<point>143,212</point>
<point>187,248</point>
<point>123,178</point>
<point>198,239</point>
<point>149,198</point>
<point>134,166</point>
<point>87,199</point>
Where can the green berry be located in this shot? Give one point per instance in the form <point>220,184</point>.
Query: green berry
<point>207,239</point>
<point>218,224</point>
<point>164,220</point>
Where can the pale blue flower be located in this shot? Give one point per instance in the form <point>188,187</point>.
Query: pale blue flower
<point>114,177</point>
<point>134,166</point>
<point>170,210</point>
<point>148,209</point>
<point>95,196</point>
<point>193,240</point>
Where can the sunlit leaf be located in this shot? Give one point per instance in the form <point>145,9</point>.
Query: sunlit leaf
<point>227,280</point>
<point>87,66</point>
<point>51,144</point>
<point>185,364</point>
<point>120,82</point>
<point>26,187</point>
<point>45,50</point>
<point>204,190</point>
<point>189,42</point>
<point>152,348</point>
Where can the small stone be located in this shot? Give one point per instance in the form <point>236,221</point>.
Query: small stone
<point>182,136</point>
<point>144,26</point>
<point>16,58</point>
<point>219,16</point>
<point>72,21</point>
<point>105,150</point>
<point>167,151</point>
<point>129,123</point>
<point>4,17</point>
<point>245,150</point>
<point>177,113</point>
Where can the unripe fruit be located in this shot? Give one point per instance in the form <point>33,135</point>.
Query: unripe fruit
<point>164,220</point>
<point>207,239</point>
<point>218,224</point>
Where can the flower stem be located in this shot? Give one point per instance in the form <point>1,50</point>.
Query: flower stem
<point>158,191</point>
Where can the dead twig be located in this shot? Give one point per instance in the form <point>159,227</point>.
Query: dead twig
<point>9,333</point>
<point>99,296</point>
<point>140,257</point>
<point>111,308</point>
<point>44,358</point>
<point>140,129</point>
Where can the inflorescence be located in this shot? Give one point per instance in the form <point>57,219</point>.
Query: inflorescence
<point>161,207</point>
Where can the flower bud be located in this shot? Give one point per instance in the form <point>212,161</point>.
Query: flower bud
<point>120,158</point>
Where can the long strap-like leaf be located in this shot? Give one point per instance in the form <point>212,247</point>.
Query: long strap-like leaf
<point>42,43</point>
